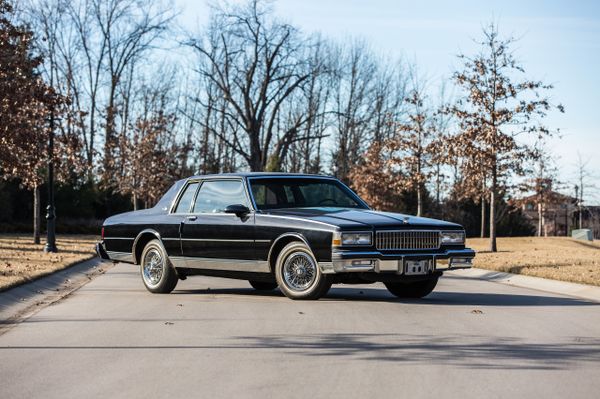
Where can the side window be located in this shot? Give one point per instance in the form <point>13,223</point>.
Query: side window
<point>185,202</point>
<point>214,196</point>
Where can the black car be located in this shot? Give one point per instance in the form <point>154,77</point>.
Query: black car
<point>300,233</point>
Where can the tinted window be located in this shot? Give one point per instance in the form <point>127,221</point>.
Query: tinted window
<point>302,193</point>
<point>167,199</point>
<point>185,202</point>
<point>214,196</point>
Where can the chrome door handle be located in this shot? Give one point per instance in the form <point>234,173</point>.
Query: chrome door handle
<point>191,218</point>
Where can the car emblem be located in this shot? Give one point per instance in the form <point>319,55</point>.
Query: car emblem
<point>405,220</point>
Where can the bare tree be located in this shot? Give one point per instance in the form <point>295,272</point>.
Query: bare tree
<point>584,186</point>
<point>150,154</point>
<point>542,183</point>
<point>356,71</point>
<point>494,110</point>
<point>413,145</point>
<point>128,32</point>
<point>256,63</point>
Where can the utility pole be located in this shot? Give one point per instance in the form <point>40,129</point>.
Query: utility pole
<point>578,206</point>
<point>50,215</point>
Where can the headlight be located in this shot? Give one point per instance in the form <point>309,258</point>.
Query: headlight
<point>363,238</point>
<point>453,237</point>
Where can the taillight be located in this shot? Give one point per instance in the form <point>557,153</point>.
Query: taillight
<point>102,233</point>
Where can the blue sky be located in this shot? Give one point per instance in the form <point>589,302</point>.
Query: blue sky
<point>559,43</point>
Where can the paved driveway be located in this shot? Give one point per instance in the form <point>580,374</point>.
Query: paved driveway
<point>215,338</point>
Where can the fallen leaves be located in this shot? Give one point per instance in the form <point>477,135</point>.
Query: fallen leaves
<point>24,261</point>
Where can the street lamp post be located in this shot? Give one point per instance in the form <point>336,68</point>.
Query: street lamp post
<point>50,215</point>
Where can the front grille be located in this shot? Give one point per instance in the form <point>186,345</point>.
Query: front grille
<point>410,239</point>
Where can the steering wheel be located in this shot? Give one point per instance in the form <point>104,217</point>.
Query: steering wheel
<point>322,202</point>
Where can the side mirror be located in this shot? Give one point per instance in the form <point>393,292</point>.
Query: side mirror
<point>238,209</point>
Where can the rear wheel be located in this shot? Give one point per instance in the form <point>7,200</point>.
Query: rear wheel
<point>298,274</point>
<point>417,289</point>
<point>262,285</point>
<point>158,275</point>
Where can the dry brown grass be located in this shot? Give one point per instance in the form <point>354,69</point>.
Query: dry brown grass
<point>21,260</point>
<point>557,258</point>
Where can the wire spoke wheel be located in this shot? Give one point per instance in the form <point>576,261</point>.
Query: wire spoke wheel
<point>299,271</point>
<point>153,267</point>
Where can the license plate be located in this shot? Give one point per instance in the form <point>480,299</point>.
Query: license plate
<point>416,267</point>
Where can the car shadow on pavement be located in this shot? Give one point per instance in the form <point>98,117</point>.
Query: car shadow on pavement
<point>451,298</point>
<point>437,298</point>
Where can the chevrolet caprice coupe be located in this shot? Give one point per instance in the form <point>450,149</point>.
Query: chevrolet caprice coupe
<point>301,233</point>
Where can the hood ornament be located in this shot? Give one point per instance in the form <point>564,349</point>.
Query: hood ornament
<point>405,219</point>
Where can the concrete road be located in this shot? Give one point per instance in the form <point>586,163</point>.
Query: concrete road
<point>215,338</point>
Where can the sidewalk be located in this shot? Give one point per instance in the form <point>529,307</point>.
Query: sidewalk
<point>583,291</point>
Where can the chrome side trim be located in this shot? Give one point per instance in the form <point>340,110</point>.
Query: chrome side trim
<point>120,256</point>
<point>178,261</point>
<point>234,265</point>
<point>333,227</point>
<point>119,238</point>
<point>214,239</point>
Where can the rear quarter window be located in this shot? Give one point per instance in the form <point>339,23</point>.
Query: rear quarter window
<point>185,202</point>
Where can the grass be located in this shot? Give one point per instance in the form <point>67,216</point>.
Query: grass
<point>22,261</point>
<point>557,258</point>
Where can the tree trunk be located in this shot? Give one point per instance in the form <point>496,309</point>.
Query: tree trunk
<point>482,216</point>
<point>135,201</point>
<point>540,221</point>
<point>36,214</point>
<point>493,247</point>
<point>419,199</point>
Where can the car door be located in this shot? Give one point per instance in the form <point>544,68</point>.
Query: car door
<point>214,240</point>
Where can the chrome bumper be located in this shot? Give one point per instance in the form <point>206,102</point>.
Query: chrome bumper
<point>348,262</point>
<point>101,251</point>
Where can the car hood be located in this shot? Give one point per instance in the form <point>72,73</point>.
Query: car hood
<point>363,218</point>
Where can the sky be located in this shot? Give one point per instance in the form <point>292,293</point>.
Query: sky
<point>559,43</point>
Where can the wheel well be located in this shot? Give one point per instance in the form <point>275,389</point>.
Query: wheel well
<point>140,244</point>
<point>278,246</point>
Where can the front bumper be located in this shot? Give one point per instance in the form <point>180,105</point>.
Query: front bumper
<point>375,261</point>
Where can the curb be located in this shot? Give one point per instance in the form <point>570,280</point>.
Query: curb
<point>20,302</point>
<point>581,291</point>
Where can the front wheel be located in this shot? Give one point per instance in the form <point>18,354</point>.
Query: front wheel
<point>158,274</point>
<point>417,289</point>
<point>298,275</point>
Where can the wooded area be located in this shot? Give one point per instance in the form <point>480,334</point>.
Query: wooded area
<point>252,92</point>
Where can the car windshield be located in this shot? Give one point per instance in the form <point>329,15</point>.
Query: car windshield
<point>276,193</point>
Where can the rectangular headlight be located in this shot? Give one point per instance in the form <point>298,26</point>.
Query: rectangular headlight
<point>452,237</point>
<point>363,238</point>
